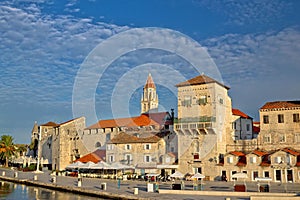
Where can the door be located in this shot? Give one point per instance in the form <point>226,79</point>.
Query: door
<point>277,175</point>
<point>289,175</point>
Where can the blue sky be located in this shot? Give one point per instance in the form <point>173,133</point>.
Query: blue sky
<point>254,44</point>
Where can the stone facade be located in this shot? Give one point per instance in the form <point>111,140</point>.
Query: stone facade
<point>143,153</point>
<point>204,124</point>
<point>280,125</point>
<point>67,144</point>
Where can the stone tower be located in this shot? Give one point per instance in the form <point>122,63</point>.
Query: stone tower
<point>149,101</point>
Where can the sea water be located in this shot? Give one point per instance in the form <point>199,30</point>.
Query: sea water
<point>13,191</point>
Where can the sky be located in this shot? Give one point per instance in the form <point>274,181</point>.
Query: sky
<point>252,46</point>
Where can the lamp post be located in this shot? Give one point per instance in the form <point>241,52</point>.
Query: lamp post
<point>38,154</point>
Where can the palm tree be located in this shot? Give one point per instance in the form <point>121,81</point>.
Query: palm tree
<point>7,148</point>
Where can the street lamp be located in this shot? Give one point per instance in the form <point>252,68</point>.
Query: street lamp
<point>38,156</point>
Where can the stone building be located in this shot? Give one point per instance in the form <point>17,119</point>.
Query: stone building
<point>59,144</point>
<point>242,125</point>
<point>144,151</point>
<point>281,165</point>
<point>279,125</point>
<point>67,143</point>
<point>204,124</point>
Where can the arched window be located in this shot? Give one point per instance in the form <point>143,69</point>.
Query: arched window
<point>98,144</point>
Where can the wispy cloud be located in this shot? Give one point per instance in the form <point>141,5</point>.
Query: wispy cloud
<point>40,56</point>
<point>248,12</point>
<point>259,67</point>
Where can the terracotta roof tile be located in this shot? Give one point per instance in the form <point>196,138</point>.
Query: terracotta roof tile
<point>89,157</point>
<point>123,138</point>
<point>240,113</point>
<point>142,120</point>
<point>199,80</point>
<point>291,151</point>
<point>160,117</point>
<point>50,124</point>
<point>281,104</point>
<point>260,153</point>
<point>237,153</point>
<point>265,164</point>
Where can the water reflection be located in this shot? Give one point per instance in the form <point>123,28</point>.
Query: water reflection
<point>11,191</point>
<point>5,189</point>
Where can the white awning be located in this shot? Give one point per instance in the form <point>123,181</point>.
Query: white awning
<point>167,166</point>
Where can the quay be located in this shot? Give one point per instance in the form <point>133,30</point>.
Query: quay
<point>131,189</point>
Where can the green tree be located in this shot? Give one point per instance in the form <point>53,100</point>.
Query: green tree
<point>7,148</point>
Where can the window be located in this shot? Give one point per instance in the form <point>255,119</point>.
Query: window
<point>255,174</point>
<point>147,146</point>
<point>267,139</point>
<point>252,159</point>
<point>280,118</point>
<point>266,119</point>
<point>296,117</point>
<point>187,101</point>
<point>230,159</point>
<point>277,159</point>
<point>196,156</point>
<point>128,158</point>
<point>234,125</point>
<point>266,174</point>
<point>297,137</point>
<point>107,137</point>
<point>127,146</point>
<point>202,100</point>
<point>282,138</point>
<point>248,127</point>
<point>221,101</point>
<point>111,158</point>
<point>147,158</point>
<point>98,144</point>
<point>110,147</point>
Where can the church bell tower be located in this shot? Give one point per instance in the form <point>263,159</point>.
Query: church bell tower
<point>149,101</point>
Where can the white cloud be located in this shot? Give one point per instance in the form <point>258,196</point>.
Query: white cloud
<point>259,67</point>
<point>256,12</point>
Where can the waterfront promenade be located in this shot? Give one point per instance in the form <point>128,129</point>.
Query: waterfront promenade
<point>92,186</point>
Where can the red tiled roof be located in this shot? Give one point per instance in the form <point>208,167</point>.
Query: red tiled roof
<point>142,120</point>
<point>265,164</point>
<point>101,153</point>
<point>258,123</point>
<point>281,104</point>
<point>50,124</point>
<point>160,117</point>
<point>89,157</point>
<point>240,113</point>
<point>199,80</point>
<point>260,153</point>
<point>241,164</point>
<point>291,151</point>
<point>149,82</point>
<point>123,138</point>
<point>237,153</point>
